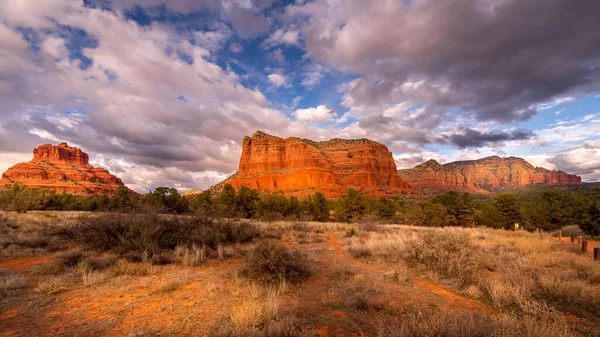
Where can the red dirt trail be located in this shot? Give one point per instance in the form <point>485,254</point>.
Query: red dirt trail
<point>448,296</point>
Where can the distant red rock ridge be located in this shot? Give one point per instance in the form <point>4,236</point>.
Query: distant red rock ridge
<point>483,176</point>
<point>63,169</point>
<point>301,167</point>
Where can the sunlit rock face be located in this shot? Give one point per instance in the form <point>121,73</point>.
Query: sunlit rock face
<point>482,176</point>
<point>63,169</point>
<point>301,167</point>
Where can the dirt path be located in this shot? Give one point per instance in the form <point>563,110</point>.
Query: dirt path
<point>22,263</point>
<point>591,245</point>
<point>448,296</point>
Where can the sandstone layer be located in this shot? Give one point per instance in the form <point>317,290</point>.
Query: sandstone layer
<point>301,167</point>
<point>484,176</point>
<point>63,169</point>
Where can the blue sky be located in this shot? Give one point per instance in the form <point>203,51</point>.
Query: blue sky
<point>161,93</point>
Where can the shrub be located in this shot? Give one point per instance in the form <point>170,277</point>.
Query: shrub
<point>51,286</point>
<point>300,226</point>
<point>452,323</point>
<point>360,251</point>
<point>33,242</point>
<point>190,257</point>
<point>88,275</point>
<point>448,254</point>
<point>10,282</point>
<point>130,235</point>
<point>351,232</point>
<point>70,258</point>
<point>50,268</point>
<point>162,258</point>
<point>272,262</point>
<point>124,267</point>
<point>101,262</point>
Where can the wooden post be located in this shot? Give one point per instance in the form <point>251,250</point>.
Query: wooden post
<point>560,235</point>
<point>596,253</point>
<point>572,238</point>
<point>579,239</point>
<point>540,231</point>
<point>584,245</point>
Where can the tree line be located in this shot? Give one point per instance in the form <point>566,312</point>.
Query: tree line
<point>549,209</point>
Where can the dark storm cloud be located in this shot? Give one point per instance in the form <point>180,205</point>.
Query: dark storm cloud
<point>469,138</point>
<point>494,59</point>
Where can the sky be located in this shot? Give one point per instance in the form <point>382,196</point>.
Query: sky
<point>162,92</point>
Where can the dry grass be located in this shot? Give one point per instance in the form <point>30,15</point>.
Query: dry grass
<point>514,270</point>
<point>190,256</point>
<point>89,276</point>
<point>258,311</point>
<point>51,286</point>
<point>10,282</point>
<point>124,267</point>
<point>531,284</point>
<point>452,323</point>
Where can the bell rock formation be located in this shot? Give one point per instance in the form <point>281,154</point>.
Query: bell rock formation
<point>63,169</point>
<point>301,167</point>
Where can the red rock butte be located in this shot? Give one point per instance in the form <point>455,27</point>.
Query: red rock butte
<point>301,167</point>
<point>482,176</point>
<point>63,169</point>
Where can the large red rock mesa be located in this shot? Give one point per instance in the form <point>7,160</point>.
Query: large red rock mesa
<point>484,176</point>
<point>301,167</point>
<point>63,169</point>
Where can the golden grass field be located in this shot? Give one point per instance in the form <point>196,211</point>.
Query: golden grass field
<point>364,280</point>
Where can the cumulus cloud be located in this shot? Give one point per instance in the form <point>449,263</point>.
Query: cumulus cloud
<point>319,114</point>
<point>247,23</point>
<point>468,137</point>
<point>235,47</point>
<point>277,79</point>
<point>502,61</point>
<point>212,40</point>
<point>146,96</point>
<point>285,37</point>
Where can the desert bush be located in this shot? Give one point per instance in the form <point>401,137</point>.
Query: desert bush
<point>132,234</point>
<point>400,274</point>
<point>51,286</point>
<point>254,313</point>
<point>162,258</point>
<point>88,275</point>
<point>124,267</point>
<point>350,232</point>
<point>360,251</point>
<point>49,268</point>
<point>449,254</point>
<point>272,262</point>
<point>32,242</point>
<point>190,257</point>
<point>70,258</point>
<point>464,324</point>
<point>11,281</point>
<point>572,229</point>
<point>300,226</point>
<point>101,262</point>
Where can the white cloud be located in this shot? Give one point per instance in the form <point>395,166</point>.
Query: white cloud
<point>283,37</point>
<point>236,47</point>
<point>277,79</point>
<point>554,102</point>
<point>319,114</point>
<point>313,76</point>
<point>138,104</point>
<point>212,40</point>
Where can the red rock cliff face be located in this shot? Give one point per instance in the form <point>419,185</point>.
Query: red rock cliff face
<point>482,176</point>
<point>301,167</point>
<point>63,169</point>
